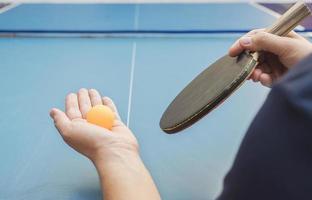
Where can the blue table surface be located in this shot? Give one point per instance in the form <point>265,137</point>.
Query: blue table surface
<point>37,73</point>
<point>112,17</point>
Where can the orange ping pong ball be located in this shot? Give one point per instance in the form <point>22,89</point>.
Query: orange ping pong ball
<point>102,116</point>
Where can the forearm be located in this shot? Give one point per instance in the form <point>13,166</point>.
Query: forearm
<point>124,176</point>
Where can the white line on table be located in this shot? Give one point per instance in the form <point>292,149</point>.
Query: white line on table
<point>134,47</point>
<point>131,81</point>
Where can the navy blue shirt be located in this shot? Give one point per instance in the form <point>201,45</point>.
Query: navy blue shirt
<point>274,161</point>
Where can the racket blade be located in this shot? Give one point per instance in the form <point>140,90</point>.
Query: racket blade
<point>207,91</point>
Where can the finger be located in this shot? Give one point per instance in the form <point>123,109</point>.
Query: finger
<point>108,102</point>
<point>256,75</point>
<point>84,101</point>
<point>293,34</point>
<point>252,76</point>
<point>72,107</point>
<point>61,120</point>
<point>255,79</point>
<point>236,48</point>
<point>266,79</point>
<point>95,97</point>
<point>263,41</point>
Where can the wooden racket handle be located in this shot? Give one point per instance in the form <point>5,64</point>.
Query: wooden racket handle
<point>287,22</point>
<point>290,19</point>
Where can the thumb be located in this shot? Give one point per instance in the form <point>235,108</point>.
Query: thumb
<point>263,41</point>
<point>61,120</point>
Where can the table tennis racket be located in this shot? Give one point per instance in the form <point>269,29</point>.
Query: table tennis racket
<point>211,87</point>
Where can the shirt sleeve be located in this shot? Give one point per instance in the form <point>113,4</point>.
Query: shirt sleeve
<point>274,161</point>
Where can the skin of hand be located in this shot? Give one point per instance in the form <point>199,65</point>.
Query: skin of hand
<point>115,153</point>
<point>278,54</point>
<point>88,139</point>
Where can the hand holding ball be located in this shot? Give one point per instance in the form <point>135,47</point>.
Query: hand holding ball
<point>101,115</point>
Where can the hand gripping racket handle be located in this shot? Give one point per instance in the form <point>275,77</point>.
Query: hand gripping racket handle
<point>290,19</point>
<point>287,22</point>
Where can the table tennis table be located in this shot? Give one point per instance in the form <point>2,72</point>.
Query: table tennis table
<point>141,55</point>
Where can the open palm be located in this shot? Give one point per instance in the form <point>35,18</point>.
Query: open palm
<point>90,140</point>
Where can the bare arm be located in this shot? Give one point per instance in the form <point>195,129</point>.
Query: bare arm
<point>126,178</point>
<point>114,153</point>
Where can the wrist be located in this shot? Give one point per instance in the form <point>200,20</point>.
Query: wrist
<point>124,176</point>
<point>105,160</point>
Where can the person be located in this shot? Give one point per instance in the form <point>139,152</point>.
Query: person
<point>274,160</point>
